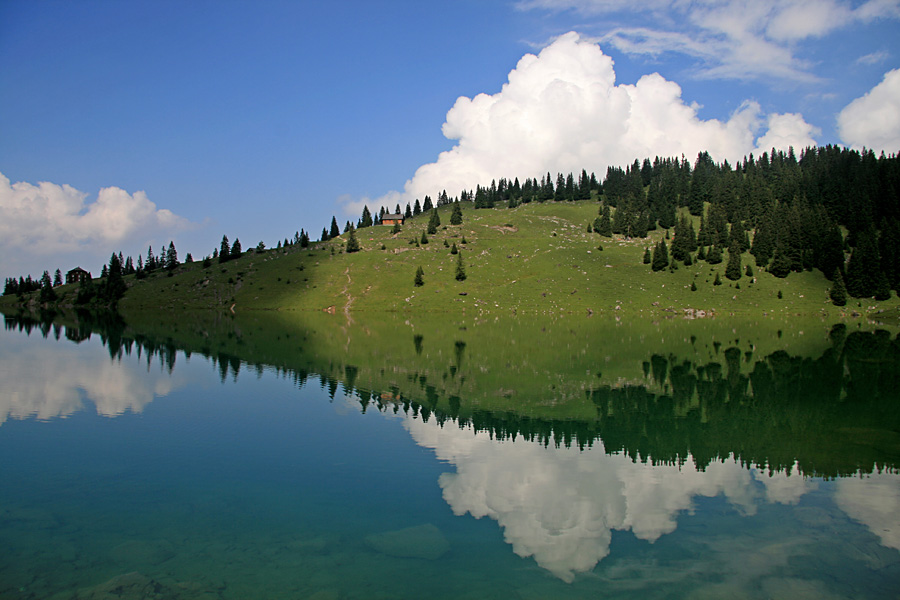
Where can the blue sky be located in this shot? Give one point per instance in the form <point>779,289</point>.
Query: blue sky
<point>128,124</point>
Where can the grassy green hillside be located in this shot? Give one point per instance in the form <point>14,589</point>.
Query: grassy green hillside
<point>536,258</point>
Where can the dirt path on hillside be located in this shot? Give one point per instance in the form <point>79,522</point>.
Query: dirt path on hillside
<point>346,292</point>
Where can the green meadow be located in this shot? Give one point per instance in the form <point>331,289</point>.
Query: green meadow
<point>537,258</point>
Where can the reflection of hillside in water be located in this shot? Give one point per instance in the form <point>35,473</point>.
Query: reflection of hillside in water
<point>750,430</point>
<point>830,415</point>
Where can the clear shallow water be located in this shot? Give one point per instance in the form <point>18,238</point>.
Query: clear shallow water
<point>123,478</point>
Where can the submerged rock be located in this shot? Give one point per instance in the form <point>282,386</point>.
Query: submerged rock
<point>422,541</point>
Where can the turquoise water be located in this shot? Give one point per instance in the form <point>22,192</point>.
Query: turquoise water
<point>127,478</point>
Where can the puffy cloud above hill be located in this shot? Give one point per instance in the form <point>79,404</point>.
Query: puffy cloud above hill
<point>49,219</point>
<point>873,120</point>
<point>562,111</point>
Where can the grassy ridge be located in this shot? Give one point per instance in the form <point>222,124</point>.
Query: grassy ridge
<point>535,259</point>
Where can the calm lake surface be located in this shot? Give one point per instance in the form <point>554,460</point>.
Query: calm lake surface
<point>250,459</point>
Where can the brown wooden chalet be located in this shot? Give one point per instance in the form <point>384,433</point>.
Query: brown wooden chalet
<point>78,275</point>
<point>392,220</point>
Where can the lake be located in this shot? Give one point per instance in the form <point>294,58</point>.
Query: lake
<point>388,456</point>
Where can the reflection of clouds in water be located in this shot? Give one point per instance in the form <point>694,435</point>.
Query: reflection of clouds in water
<point>560,505</point>
<point>874,501</point>
<point>785,487</point>
<point>48,379</point>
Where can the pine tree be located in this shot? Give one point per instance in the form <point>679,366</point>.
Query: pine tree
<point>47,293</point>
<point>57,278</point>
<point>733,269</point>
<point>647,256</point>
<point>838,292</point>
<point>171,257</point>
<point>456,215</point>
<point>419,281</point>
<point>781,262</point>
<point>453,248</point>
<point>424,239</point>
<point>717,280</point>
<point>460,268</point>
<point>882,288</point>
<point>434,221</point>
<point>604,225</point>
<point>417,208</point>
<point>334,231</point>
<point>224,250</point>
<point>352,242</point>
<point>660,256</point>
<point>366,219</point>
<point>114,287</point>
<point>235,249</point>
<point>863,267</point>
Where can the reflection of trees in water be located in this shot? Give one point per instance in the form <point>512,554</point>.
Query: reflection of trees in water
<point>833,415</point>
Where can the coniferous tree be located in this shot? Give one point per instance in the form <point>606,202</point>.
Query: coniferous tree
<point>171,257</point>
<point>863,267</point>
<point>838,291</point>
<point>882,288</point>
<point>114,286</point>
<point>224,250</point>
<point>424,239</point>
<point>660,256</point>
<point>57,278</point>
<point>733,269</point>
<point>453,248</point>
<point>456,215</point>
<point>781,262</point>
<point>434,221</point>
<point>366,219</point>
<point>408,214</point>
<point>647,256</point>
<point>603,225</point>
<point>427,204</point>
<point>47,292</point>
<point>335,230</point>
<point>419,281</point>
<point>235,249</point>
<point>352,242</point>
<point>460,268</point>
<point>417,208</point>
<point>714,256</point>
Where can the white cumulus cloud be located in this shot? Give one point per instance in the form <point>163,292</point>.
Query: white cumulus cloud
<point>562,111</point>
<point>43,220</point>
<point>873,120</point>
